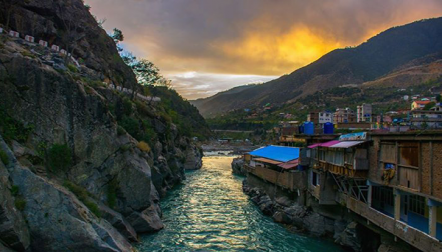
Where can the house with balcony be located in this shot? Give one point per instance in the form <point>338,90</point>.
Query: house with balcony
<point>404,187</point>
<point>341,164</point>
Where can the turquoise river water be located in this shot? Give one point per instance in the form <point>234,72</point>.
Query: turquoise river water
<point>210,212</point>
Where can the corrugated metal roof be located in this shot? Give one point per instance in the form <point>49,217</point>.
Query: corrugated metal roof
<point>266,160</point>
<point>277,153</point>
<point>314,145</point>
<point>326,144</point>
<point>346,144</point>
<point>330,143</point>
<point>289,165</point>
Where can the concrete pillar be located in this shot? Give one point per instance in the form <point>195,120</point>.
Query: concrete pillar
<point>369,194</point>
<point>397,205</point>
<point>432,221</point>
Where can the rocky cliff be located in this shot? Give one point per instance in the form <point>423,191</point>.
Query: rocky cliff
<point>83,166</point>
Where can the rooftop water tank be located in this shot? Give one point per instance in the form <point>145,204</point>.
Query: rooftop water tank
<point>309,128</point>
<point>328,128</point>
<point>301,129</point>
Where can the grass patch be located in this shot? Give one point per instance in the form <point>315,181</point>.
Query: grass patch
<point>143,146</point>
<point>72,68</point>
<point>4,157</point>
<point>112,193</point>
<point>20,203</point>
<point>84,196</point>
<point>125,148</point>
<point>12,129</point>
<point>93,83</point>
<point>14,190</point>
<point>88,90</point>
<point>120,131</point>
<point>59,157</point>
<point>27,54</point>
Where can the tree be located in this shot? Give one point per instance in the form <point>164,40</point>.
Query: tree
<point>438,98</point>
<point>117,36</point>
<point>146,72</point>
<point>428,106</point>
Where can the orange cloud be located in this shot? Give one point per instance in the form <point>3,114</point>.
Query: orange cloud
<point>270,53</point>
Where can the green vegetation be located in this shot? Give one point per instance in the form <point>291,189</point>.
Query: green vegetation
<point>20,203</point>
<point>93,83</point>
<point>27,54</point>
<point>429,105</point>
<point>73,68</point>
<point>112,189</point>
<point>120,131</point>
<point>384,99</point>
<point>59,157</point>
<point>14,190</point>
<point>12,129</point>
<point>4,157</point>
<point>84,196</point>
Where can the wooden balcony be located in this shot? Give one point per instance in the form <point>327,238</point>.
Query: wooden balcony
<point>346,170</point>
<point>291,180</point>
<point>400,229</point>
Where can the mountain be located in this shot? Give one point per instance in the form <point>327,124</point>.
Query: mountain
<point>86,153</point>
<point>214,104</point>
<point>377,57</point>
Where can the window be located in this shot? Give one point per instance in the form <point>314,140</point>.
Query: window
<point>417,204</point>
<point>383,195</point>
<point>315,178</point>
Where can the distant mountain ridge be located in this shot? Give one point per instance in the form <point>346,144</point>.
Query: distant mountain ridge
<point>396,48</point>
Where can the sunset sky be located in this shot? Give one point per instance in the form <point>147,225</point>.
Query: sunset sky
<point>207,46</point>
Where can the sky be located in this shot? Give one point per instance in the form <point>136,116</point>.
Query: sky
<point>207,46</point>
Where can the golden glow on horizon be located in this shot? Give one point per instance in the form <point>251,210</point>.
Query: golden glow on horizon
<point>283,53</point>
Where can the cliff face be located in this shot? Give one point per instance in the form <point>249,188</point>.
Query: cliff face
<point>83,166</point>
<point>69,25</point>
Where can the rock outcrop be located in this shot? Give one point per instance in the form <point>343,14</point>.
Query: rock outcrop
<point>238,166</point>
<point>303,219</point>
<point>83,165</point>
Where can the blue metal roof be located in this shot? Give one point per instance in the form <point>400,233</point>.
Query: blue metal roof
<point>278,153</point>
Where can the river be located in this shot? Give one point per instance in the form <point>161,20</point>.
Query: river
<point>210,212</point>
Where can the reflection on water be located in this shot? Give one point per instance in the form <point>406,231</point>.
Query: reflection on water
<point>211,213</point>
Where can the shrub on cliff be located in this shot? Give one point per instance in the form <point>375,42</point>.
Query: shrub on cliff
<point>59,157</point>
<point>143,146</point>
<point>4,157</point>
<point>84,196</point>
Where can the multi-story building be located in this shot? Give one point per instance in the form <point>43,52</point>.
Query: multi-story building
<point>364,113</point>
<point>344,115</point>
<point>391,182</point>
<point>320,117</point>
<point>426,119</point>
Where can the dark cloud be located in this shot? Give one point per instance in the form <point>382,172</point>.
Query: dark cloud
<point>257,37</point>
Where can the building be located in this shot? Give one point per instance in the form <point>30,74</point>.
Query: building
<point>364,113</point>
<point>390,182</point>
<point>426,119</point>
<point>320,117</point>
<point>344,116</point>
<point>419,104</point>
<point>277,165</point>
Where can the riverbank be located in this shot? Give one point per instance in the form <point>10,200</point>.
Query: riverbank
<point>230,148</point>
